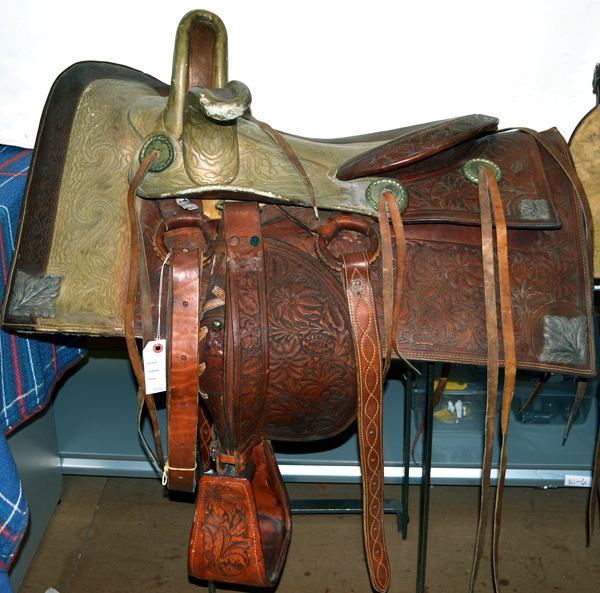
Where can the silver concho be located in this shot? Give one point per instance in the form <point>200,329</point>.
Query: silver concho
<point>376,188</point>
<point>471,169</point>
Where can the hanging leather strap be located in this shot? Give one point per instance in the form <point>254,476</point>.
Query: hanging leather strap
<point>296,162</point>
<point>510,357</point>
<point>392,289</point>
<point>136,247</point>
<point>489,197</point>
<point>367,347</point>
<point>581,388</point>
<point>491,318</point>
<point>187,246</point>
<point>536,391</point>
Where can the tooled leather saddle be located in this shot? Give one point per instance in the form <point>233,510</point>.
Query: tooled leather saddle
<point>262,271</point>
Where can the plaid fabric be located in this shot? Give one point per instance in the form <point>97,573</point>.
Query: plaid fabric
<point>29,367</point>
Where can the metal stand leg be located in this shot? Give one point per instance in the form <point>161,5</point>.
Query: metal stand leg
<point>212,588</point>
<point>308,506</point>
<point>353,506</point>
<point>425,481</point>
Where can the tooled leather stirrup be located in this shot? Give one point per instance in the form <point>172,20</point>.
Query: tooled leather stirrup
<point>242,523</point>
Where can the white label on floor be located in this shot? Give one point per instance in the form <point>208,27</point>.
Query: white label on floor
<point>578,481</point>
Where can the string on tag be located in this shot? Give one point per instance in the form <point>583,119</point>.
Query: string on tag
<point>160,284</point>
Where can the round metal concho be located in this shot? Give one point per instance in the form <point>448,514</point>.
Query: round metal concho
<point>167,152</point>
<point>376,188</point>
<point>471,169</point>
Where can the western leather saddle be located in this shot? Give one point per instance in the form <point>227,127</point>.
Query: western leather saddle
<point>261,271</point>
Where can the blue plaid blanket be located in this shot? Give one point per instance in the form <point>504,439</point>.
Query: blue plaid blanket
<point>29,367</point>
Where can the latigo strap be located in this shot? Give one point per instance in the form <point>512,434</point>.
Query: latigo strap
<point>367,348</point>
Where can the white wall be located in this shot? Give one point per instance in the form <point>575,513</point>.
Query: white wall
<point>328,68</point>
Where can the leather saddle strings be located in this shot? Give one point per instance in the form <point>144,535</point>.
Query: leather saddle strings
<point>489,192</point>
<point>392,291</point>
<point>136,274</point>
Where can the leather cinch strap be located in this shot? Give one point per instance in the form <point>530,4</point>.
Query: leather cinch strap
<point>367,347</point>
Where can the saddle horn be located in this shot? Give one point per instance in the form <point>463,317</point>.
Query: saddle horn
<point>202,106</point>
<point>199,59</point>
<point>195,128</point>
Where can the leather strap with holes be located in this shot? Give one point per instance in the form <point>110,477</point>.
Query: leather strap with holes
<point>186,246</point>
<point>367,347</point>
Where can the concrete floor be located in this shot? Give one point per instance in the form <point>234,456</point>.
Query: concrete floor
<point>128,536</point>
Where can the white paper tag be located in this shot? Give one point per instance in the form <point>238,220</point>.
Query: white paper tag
<point>578,481</point>
<point>155,366</point>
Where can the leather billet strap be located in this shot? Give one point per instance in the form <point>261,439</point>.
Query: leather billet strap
<point>187,246</point>
<point>356,278</point>
<point>489,200</point>
<point>367,347</point>
<point>246,356</point>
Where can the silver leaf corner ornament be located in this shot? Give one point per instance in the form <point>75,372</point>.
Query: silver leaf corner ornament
<point>566,339</point>
<point>33,296</point>
<point>534,209</point>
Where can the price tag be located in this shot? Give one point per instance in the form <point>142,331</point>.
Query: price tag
<point>155,366</point>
